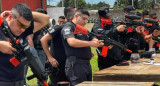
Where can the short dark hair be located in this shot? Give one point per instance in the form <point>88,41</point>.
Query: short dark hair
<point>145,12</point>
<point>70,16</point>
<point>138,14</point>
<point>62,17</point>
<point>72,7</point>
<point>152,13</point>
<point>67,10</point>
<point>129,8</point>
<point>41,10</point>
<point>83,11</point>
<point>24,11</point>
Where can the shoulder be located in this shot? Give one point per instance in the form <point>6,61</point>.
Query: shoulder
<point>68,26</point>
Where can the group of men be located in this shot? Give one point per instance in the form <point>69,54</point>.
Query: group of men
<point>126,31</point>
<point>70,51</point>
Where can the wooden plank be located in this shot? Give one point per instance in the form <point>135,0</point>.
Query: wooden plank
<point>138,72</point>
<point>115,83</point>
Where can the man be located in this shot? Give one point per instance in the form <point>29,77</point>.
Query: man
<point>77,48</point>
<point>152,44</point>
<point>19,20</point>
<point>105,23</point>
<point>56,55</point>
<point>61,20</point>
<point>132,37</point>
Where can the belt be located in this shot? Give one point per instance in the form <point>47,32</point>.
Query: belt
<point>38,47</point>
<point>81,61</point>
<point>17,83</point>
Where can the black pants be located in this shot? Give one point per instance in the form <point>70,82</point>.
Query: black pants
<point>17,83</point>
<point>113,57</point>
<point>77,70</point>
<point>58,75</point>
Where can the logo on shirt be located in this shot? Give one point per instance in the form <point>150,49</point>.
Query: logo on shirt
<point>51,30</point>
<point>67,31</point>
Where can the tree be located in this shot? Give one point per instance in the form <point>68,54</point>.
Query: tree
<point>66,3</point>
<point>79,3</point>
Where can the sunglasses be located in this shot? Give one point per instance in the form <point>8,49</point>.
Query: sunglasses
<point>19,24</point>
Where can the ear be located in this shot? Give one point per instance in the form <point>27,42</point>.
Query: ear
<point>76,15</point>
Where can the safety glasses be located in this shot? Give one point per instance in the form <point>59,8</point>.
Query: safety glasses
<point>19,24</point>
<point>83,17</point>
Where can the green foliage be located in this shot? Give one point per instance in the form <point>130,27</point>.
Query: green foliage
<point>83,4</point>
<point>138,4</point>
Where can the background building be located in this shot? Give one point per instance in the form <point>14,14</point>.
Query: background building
<point>33,4</point>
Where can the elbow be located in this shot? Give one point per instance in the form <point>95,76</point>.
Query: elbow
<point>71,44</point>
<point>42,40</point>
<point>47,19</point>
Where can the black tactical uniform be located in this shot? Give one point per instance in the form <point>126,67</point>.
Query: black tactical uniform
<point>77,68</point>
<point>113,55</point>
<point>58,52</point>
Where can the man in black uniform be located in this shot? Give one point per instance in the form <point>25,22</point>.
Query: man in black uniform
<point>106,26</point>
<point>56,56</point>
<point>19,20</point>
<point>77,48</point>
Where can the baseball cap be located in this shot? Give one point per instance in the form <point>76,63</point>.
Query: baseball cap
<point>103,12</point>
<point>129,8</point>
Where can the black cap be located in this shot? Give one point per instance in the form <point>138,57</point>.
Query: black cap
<point>103,12</point>
<point>129,8</point>
<point>138,14</point>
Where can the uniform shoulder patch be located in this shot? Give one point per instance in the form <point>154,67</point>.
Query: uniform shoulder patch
<point>51,30</point>
<point>67,31</point>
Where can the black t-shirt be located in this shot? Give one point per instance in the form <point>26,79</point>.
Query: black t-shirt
<point>38,35</point>
<point>8,72</point>
<point>80,53</point>
<point>57,47</point>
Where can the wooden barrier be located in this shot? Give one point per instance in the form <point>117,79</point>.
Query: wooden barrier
<point>116,84</point>
<point>135,72</point>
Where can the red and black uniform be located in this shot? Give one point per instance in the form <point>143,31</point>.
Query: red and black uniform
<point>113,55</point>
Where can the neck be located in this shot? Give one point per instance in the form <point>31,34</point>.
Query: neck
<point>74,21</point>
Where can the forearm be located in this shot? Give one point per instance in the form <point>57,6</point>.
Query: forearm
<point>40,20</point>
<point>148,36</point>
<point>44,42</point>
<point>73,42</point>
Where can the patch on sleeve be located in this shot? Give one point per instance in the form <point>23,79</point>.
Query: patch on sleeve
<point>51,30</point>
<point>67,31</point>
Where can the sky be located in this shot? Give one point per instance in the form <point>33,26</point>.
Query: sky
<point>111,2</point>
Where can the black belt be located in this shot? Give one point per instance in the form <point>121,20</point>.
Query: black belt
<point>81,61</point>
<point>17,83</point>
<point>38,47</point>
